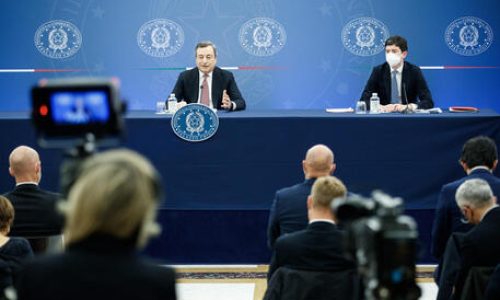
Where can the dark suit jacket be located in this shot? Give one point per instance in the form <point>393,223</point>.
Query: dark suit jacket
<point>188,85</point>
<point>481,245</point>
<point>36,212</point>
<point>493,289</point>
<point>12,255</point>
<point>448,215</point>
<point>413,81</point>
<point>288,212</point>
<point>318,285</point>
<point>319,247</point>
<point>100,267</point>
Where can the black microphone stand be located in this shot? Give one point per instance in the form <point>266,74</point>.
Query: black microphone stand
<point>407,110</point>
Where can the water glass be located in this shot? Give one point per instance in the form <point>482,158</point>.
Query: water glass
<point>160,107</point>
<point>360,107</point>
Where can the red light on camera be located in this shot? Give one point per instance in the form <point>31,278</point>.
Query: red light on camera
<point>44,110</point>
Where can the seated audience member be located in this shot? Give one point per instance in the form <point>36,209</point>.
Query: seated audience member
<point>110,214</point>
<point>479,247</point>
<point>13,250</point>
<point>36,214</point>
<point>319,247</point>
<point>288,212</point>
<point>478,159</point>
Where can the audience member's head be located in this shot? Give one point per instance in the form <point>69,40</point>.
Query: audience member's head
<point>324,190</point>
<point>479,151</point>
<point>25,165</point>
<point>6,215</point>
<point>319,162</point>
<point>116,194</point>
<point>474,197</point>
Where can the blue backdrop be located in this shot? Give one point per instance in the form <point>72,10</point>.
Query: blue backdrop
<point>286,54</point>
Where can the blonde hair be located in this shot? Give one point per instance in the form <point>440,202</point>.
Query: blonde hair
<point>116,193</point>
<point>325,189</point>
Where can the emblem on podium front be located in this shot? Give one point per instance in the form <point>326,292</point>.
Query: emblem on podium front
<point>195,122</point>
<point>468,36</point>
<point>364,36</point>
<point>160,38</point>
<point>262,36</point>
<point>58,39</point>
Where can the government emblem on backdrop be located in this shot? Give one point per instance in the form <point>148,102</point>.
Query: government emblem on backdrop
<point>195,122</point>
<point>262,36</point>
<point>160,38</point>
<point>468,36</point>
<point>364,36</point>
<point>58,39</point>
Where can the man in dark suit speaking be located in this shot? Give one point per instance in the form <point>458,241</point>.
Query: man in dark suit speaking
<point>208,84</point>
<point>399,84</point>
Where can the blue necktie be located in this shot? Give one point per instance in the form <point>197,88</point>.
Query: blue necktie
<point>394,89</point>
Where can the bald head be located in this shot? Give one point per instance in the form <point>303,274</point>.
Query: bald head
<point>24,164</point>
<point>318,162</point>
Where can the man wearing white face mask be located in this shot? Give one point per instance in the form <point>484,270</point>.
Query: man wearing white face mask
<point>399,84</point>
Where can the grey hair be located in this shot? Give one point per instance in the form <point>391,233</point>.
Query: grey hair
<point>204,44</point>
<point>474,192</point>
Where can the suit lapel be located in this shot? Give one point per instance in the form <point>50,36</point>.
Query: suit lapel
<point>387,83</point>
<point>405,79</point>
<point>195,82</point>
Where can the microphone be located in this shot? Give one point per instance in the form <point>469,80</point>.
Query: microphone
<point>405,96</point>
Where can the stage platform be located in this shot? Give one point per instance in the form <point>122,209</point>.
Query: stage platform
<point>218,192</point>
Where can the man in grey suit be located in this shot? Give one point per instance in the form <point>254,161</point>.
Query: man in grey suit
<point>288,212</point>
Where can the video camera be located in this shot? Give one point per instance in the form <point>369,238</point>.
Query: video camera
<point>76,115</point>
<point>383,242</point>
<point>67,112</point>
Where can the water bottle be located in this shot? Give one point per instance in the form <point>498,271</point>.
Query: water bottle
<point>374,104</point>
<point>172,103</point>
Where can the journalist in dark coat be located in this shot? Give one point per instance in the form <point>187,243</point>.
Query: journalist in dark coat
<point>288,211</point>
<point>37,216</point>
<point>320,246</point>
<point>479,159</point>
<point>103,233</point>
<point>479,247</point>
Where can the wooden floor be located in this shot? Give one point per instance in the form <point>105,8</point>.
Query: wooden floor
<point>251,274</point>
